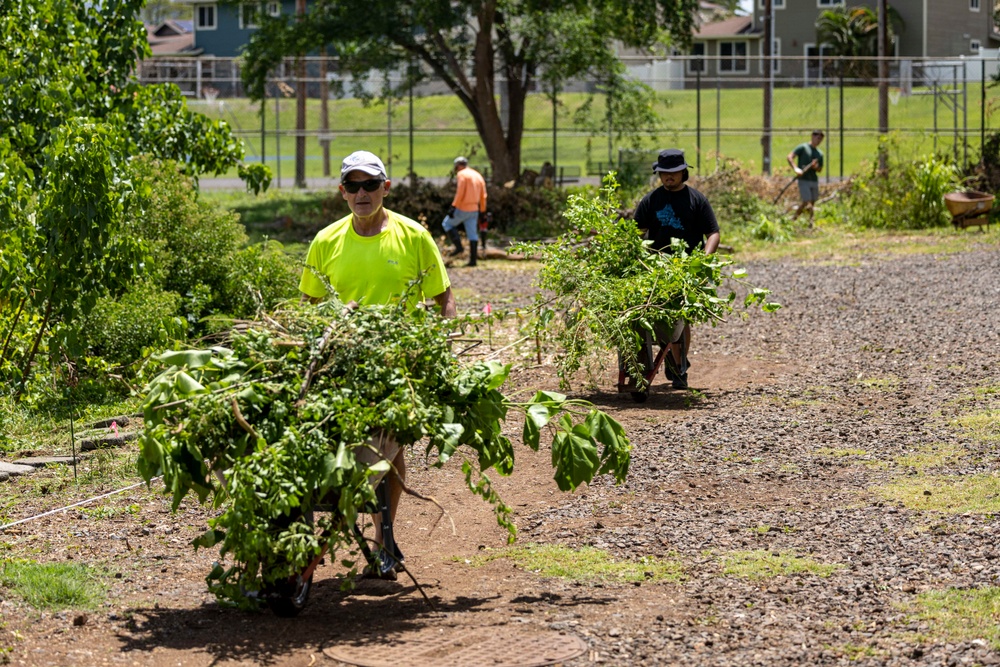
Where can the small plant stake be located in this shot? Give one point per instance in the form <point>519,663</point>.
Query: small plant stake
<point>72,441</point>
<point>488,311</point>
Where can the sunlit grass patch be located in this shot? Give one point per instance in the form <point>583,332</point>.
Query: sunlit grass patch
<point>584,564</point>
<point>945,493</point>
<point>763,564</point>
<point>959,615</point>
<point>883,384</point>
<point>53,585</point>
<point>856,652</point>
<point>931,456</point>
<point>982,426</point>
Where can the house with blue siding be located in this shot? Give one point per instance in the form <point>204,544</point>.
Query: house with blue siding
<point>222,28</point>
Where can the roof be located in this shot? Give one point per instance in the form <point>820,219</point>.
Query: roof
<point>741,26</point>
<point>171,38</point>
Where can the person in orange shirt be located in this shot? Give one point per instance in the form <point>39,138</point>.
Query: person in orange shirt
<point>468,204</point>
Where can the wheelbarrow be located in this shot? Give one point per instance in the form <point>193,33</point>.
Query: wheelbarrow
<point>969,208</point>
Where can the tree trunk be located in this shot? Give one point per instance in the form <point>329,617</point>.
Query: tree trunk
<point>26,369</point>
<point>13,326</point>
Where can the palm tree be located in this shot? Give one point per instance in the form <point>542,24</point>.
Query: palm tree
<point>853,33</point>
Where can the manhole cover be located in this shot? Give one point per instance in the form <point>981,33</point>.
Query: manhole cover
<point>467,647</point>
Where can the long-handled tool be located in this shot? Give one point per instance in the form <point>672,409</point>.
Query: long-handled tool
<point>797,177</point>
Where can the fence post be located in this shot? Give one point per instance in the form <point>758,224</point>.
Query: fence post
<point>965,115</point>
<point>718,121</point>
<point>413,173</point>
<point>982,109</point>
<point>840,132</point>
<point>388,127</point>
<point>827,86</point>
<point>555,133</point>
<point>277,133</point>
<point>697,115</point>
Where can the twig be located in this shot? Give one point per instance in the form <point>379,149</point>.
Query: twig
<point>502,349</point>
<point>241,421</point>
<point>314,364</point>
<point>401,566</point>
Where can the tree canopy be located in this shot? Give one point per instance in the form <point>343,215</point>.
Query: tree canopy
<point>490,53</point>
<point>853,33</point>
<point>73,117</point>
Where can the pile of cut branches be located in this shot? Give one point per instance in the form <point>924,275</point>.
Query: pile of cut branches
<point>272,424</point>
<point>608,287</point>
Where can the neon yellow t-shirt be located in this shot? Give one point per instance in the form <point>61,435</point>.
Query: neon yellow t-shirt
<point>375,269</point>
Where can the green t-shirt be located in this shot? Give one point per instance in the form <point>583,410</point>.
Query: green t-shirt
<point>805,154</point>
<point>375,269</point>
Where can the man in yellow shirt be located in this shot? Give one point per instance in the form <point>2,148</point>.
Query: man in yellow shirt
<point>370,257</point>
<point>468,204</point>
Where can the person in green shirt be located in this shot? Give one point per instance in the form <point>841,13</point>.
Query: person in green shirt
<point>807,161</point>
<point>370,257</point>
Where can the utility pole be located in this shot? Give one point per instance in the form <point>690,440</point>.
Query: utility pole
<point>883,85</point>
<point>765,139</point>
<point>300,108</point>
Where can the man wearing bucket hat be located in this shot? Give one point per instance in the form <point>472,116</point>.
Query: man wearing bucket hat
<point>372,256</point>
<point>467,206</point>
<point>676,210</point>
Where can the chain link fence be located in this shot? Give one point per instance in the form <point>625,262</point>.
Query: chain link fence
<point>712,108</point>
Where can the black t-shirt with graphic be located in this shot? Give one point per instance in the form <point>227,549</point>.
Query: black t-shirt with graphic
<point>685,214</point>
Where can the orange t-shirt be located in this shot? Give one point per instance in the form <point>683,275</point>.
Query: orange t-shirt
<point>471,192</point>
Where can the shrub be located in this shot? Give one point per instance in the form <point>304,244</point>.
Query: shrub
<point>260,276</point>
<point>192,241</point>
<point>517,211</point>
<point>120,330</point>
<point>737,196</point>
<point>910,196</point>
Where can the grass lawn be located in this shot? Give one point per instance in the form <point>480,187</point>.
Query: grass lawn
<point>729,124</point>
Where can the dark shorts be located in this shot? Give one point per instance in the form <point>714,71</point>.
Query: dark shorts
<point>808,190</point>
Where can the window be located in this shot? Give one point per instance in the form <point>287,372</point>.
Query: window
<point>778,4</point>
<point>829,3</point>
<point>249,15</point>
<point>975,45</point>
<point>776,52</point>
<point>973,5</point>
<point>696,63</point>
<point>205,17</point>
<point>274,9</point>
<point>732,57</point>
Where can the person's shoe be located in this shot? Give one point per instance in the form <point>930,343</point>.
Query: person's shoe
<point>455,238</point>
<point>385,570</point>
<point>680,382</point>
<point>473,248</point>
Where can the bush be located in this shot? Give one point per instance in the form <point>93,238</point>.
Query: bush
<point>737,196</point>
<point>121,330</point>
<point>192,241</point>
<point>259,277</point>
<point>517,211</point>
<point>910,196</point>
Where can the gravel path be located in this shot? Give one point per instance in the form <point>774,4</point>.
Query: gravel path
<point>874,360</point>
<point>799,430</point>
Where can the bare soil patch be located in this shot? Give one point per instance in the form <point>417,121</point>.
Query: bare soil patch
<point>793,423</point>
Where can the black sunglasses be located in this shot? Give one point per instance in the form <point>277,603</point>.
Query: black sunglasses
<point>371,185</point>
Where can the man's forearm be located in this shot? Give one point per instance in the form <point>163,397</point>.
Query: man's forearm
<point>446,301</point>
<point>712,243</point>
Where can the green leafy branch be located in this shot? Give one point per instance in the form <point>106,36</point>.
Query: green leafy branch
<point>608,287</point>
<point>272,425</point>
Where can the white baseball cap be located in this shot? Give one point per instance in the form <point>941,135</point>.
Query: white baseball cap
<point>364,161</point>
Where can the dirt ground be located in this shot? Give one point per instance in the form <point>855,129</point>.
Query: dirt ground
<point>795,425</point>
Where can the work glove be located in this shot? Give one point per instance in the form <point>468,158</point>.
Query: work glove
<point>451,212</point>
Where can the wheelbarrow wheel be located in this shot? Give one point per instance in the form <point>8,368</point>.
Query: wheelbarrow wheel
<point>639,396</point>
<point>287,598</point>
